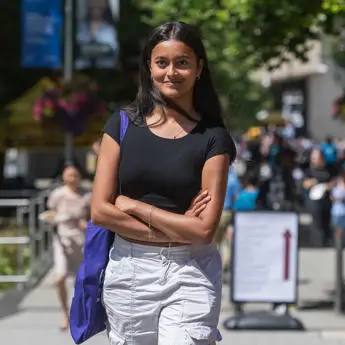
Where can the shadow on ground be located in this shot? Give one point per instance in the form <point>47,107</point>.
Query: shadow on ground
<point>10,302</point>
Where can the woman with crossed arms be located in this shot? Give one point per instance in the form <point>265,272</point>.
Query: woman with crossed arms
<point>163,281</point>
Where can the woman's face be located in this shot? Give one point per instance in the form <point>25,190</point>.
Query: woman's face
<point>71,177</point>
<point>174,69</point>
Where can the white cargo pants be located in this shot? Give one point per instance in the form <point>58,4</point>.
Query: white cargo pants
<point>162,295</point>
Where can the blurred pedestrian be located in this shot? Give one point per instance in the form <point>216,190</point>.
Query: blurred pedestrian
<point>338,204</point>
<point>70,205</point>
<point>246,200</point>
<point>341,162</point>
<point>278,193</point>
<point>163,281</point>
<point>232,191</point>
<point>330,153</point>
<point>317,184</point>
<point>274,149</point>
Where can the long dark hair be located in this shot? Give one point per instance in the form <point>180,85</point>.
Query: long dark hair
<point>205,100</point>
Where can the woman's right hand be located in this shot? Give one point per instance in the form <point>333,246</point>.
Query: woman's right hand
<point>198,204</point>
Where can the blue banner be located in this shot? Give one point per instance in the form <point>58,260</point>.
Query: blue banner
<point>41,33</point>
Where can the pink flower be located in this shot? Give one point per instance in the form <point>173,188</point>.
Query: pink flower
<point>65,105</point>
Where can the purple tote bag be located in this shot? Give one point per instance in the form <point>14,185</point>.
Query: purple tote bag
<point>87,315</point>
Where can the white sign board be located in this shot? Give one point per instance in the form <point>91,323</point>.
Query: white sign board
<point>265,264</point>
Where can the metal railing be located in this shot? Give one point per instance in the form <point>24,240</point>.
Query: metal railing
<point>32,234</point>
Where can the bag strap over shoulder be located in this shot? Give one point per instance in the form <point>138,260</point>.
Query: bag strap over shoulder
<point>123,125</point>
<point>123,128</point>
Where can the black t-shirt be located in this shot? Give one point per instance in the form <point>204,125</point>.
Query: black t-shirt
<point>165,172</point>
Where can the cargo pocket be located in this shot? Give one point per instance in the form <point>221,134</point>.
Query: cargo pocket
<point>202,335</point>
<point>116,339</point>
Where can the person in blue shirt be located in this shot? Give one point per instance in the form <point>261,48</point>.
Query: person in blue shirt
<point>246,200</point>
<point>331,155</point>
<point>232,191</point>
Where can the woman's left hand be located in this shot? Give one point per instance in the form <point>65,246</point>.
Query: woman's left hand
<point>125,204</point>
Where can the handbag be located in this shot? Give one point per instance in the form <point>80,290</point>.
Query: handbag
<point>87,314</point>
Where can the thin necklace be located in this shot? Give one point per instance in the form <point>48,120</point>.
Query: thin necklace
<point>177,134</point>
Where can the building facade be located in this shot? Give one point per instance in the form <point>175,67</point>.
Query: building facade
<point>309,89</point>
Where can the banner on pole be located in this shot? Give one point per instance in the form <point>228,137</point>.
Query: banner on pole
<point>41,33</point>
<point>97,35</point>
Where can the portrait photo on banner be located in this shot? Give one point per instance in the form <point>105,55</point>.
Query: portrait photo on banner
<point>97,34</point>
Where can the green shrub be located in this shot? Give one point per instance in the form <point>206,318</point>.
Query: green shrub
<point>9,255</point>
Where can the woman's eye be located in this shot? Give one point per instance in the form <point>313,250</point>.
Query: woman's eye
<point>161,63</point>
<point>182,63</point>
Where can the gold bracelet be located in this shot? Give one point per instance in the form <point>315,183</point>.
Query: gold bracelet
<point>150,223</point>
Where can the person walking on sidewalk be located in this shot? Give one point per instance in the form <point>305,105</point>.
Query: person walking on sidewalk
<point>232,190</point>
<point>70,205</point>
<point>318,178</point>
<point>163,281</point>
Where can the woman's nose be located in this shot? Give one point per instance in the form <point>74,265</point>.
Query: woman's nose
<point>171,70</point>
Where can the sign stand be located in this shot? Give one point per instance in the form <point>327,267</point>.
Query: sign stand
<point>264,321</point>
<point>264,269</point>
<point>339,289</point>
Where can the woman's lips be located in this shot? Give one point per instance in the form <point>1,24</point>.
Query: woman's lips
<point>172,83</point>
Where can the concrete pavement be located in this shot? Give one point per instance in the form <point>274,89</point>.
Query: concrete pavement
<point>32,318</point>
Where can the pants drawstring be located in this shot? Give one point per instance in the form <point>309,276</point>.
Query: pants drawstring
<point>166,262</point>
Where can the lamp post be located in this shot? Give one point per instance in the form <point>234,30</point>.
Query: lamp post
<point>68,67</point>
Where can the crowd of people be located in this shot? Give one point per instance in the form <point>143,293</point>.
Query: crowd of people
<point>281,174</point>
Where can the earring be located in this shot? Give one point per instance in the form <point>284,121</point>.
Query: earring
<point>198,77</point>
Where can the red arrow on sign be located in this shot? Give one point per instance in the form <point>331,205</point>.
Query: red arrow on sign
<point>287,239</point>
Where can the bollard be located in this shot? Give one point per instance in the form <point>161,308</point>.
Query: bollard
<point>339,290</point>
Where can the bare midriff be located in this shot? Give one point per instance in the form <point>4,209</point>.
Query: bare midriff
<point>156,244</point>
